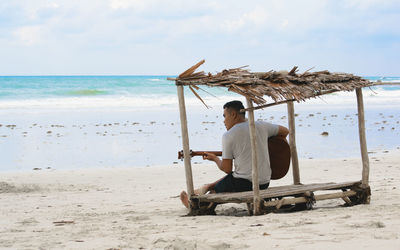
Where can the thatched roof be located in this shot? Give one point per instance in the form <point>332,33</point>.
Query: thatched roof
<point>279,85</point>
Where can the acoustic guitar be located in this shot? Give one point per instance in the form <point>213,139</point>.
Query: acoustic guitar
<point>279,156</point>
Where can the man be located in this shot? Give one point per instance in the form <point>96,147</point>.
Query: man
<point>236,150</point>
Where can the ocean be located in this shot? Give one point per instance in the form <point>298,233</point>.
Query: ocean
<point>89,91</point>
<point>64,122</point>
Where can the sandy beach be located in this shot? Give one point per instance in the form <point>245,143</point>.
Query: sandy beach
<point>108,178</point>
<point>139,208</point>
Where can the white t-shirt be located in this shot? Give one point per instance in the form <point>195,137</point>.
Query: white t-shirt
<point>236,145</point>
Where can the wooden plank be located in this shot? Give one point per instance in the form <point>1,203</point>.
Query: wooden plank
<point>288,201</point>
<point>190,70</point>
<point>386,83</point>
<point>292,143</point>
<point>282,190</point>
<point>185,143</point>
<point>347,200</point>
<point>254,165</point>
<point>363,141</point>
<point>273,192</point>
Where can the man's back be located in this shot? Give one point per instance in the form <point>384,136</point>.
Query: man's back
<point>236,145</point>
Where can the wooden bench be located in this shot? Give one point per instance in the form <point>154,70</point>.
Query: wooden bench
<point>274,198</point>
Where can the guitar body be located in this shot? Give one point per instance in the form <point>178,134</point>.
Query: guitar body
<point>279,156</point>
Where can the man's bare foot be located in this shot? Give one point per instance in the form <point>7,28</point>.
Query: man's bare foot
<point>184,199</point>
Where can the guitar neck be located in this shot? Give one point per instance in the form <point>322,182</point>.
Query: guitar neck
<point>201,153</point>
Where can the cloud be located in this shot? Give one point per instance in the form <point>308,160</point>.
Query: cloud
<point>171,33</point>
<point>370,4</point>
<point>28,35</point>
<point>125,4</point>
<point>257,17</point>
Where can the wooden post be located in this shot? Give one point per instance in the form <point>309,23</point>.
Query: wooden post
<point>292,143</point>
<point>185,144</point>
<point>363,141</point>
<point>256,187</point>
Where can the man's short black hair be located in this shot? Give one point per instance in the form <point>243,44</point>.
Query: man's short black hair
<point>235,105</point>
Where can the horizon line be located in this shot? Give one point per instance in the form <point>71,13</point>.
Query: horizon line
<point>145,75</point>
<point>88,75</point>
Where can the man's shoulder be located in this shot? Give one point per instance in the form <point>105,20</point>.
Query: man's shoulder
<point>236,130</point>
<point>264,124</point>
<point>227,135</point>
<point>269,128</point>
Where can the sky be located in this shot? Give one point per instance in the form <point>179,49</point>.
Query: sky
<point>159,37</point>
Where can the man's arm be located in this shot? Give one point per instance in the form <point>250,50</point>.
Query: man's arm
<point>224,164</point>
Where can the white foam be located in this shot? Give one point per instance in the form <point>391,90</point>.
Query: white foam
<point>377,96</point>
<point>87,102</point>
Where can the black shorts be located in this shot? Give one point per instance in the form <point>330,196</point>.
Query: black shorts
<point>232,184</point>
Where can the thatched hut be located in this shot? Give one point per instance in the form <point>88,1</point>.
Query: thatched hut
<point>283,87</point>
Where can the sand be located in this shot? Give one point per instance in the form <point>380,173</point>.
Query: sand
<point>139,208</point>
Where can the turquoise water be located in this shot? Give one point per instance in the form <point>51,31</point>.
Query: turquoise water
<point>44,87</point>
<point>91,91</point>
<point>33,87</point>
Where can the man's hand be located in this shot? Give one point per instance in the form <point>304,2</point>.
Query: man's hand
<point>224,164</point>
<point>210,157</point>
<point>283,131</point>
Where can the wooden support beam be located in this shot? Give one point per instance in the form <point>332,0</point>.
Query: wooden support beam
<point>289,201</point>
<point>249,208</point>
<point>185,144</point>
<point>386,83</point>
<point>292,143</point>
<point>253,141</point>
<point>363,141</point>
<point>287,101</point>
